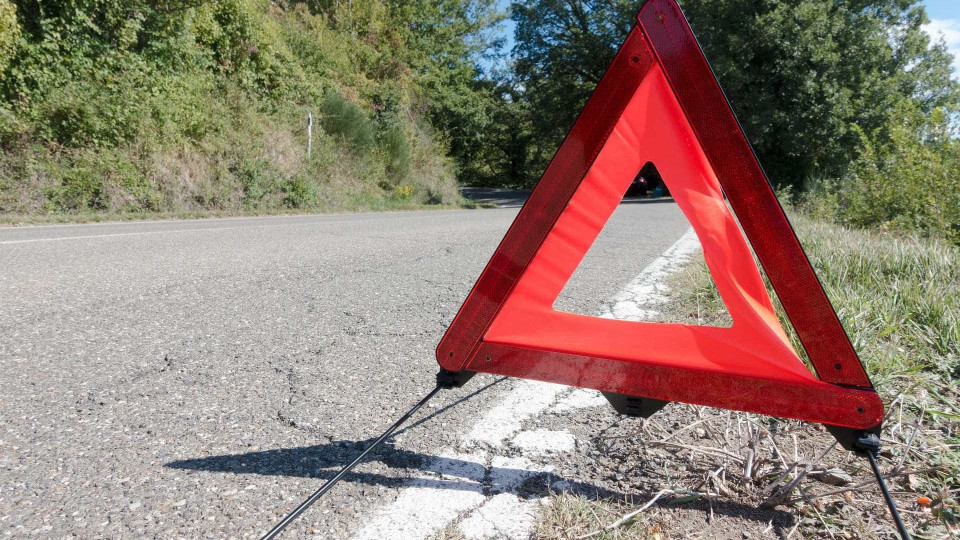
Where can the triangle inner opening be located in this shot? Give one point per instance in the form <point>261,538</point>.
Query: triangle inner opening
<point>641,266</point>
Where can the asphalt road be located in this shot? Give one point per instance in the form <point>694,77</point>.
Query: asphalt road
<point>197,379</point>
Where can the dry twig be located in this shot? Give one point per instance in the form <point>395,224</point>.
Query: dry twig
<point>628,517</point>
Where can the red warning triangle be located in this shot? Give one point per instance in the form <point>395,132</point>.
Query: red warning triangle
<point>660,102</point>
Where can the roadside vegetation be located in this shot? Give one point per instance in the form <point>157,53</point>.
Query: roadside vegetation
<point>897,296</point>
<point>125,108</point>
<point>181,107</point>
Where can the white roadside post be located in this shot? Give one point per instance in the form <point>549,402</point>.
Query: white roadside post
<point>309,134</point>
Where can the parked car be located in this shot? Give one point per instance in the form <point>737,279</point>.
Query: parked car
<point>648,182</point>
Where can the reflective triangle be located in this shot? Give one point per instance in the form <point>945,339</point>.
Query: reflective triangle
<point>660,102</point>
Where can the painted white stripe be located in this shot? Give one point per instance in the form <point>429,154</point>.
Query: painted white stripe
<point>648,289</point>
<point>165,231</point>
<point>529,399</point>
<point>110,235</point>
<point>505,516</point>
<point>294,221</point>
<point>430,504</point>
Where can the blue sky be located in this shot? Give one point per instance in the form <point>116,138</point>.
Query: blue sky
<point>945,17</point>
<point>943,9</point>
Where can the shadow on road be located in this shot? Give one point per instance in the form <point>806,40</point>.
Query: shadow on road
<point>502,198</point>
<point>322,461</point>
<point>647,200</point>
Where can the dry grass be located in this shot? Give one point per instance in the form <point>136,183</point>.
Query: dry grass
<point>569,516</point>
<point>449,533</point>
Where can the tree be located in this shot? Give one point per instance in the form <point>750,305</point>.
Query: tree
<point>562,50</point>
<point>805,77</point>
<point>446,40</point>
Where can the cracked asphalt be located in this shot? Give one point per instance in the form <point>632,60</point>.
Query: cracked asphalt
<point>198,379</point>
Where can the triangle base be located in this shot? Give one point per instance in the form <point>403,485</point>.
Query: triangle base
<point>808,400</point>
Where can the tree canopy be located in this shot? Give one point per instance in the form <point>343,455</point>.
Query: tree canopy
<point>806,77</point>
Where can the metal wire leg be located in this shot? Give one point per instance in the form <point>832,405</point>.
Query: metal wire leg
<point>343,472</point>
<point>870,445</point>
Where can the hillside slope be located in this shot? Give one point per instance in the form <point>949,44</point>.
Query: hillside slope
<point>181,105</point>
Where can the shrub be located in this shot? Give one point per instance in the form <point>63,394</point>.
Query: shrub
<point>345,120</point>
<point>81,188</point>
<point>258,180</point>
<point>397,153</point>
<point>300,193</point>
<point>911,181</point>
<point>404,193</point>
<point>83,113</point>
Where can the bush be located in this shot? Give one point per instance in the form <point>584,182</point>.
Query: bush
<point>85,113</point>
<point>81,188</point>
<point>258,181</point>
<point>909,182</point>
<point>346,121</point>
<point>300,193</point>
<point>397,153</point>
<point>100,180</point>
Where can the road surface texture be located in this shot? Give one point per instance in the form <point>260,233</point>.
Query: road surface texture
<point>197,379</point>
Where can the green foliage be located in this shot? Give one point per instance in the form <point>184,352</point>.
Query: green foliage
<point>848,99</point>
<point>85,113</point>
<point>397,149</point>
<point>80,189</point>
<point>9,33</point>
<point>345,120</point>
<point>804,76</point>
<point>300,193</point>
<point>562,50</point>
<point>507,157</point>
<point>909,181</point>
<point>96,181</point>
<point>184,105</point>
<point>445,40</point>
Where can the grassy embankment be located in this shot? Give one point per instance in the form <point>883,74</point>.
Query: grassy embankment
<point>124,110</point>
<point>899,299</point>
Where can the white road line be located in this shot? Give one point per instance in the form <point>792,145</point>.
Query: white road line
<point>173,231</point>
<point>478,485</point>
<point>110,235</point>
<point>302,217</point>
<point>635,301</point>
<point>377,216</point>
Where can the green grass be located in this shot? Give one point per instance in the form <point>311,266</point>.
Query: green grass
<point>897,295</point>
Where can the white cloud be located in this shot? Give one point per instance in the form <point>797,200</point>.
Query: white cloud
<point>949,31</point>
